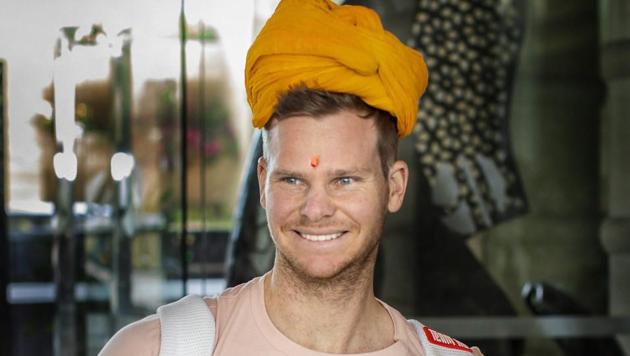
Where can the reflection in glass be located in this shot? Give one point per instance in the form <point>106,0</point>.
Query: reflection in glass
<point>109,166</point>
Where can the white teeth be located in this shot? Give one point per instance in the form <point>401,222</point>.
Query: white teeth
<point>321,237</point>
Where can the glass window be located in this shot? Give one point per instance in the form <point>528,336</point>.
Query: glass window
<point>102,175</point>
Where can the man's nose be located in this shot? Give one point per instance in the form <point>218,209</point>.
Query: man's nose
<point>317,204</point>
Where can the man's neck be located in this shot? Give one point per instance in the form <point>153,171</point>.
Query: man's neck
<point>339,316</point>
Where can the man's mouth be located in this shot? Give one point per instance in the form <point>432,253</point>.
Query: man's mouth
<point>321,237</point>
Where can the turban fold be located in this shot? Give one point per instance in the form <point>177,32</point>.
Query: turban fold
<point>321,45</point>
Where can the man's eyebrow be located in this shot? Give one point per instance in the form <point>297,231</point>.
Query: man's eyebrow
<point>285,173</point>
<point>280,172</point>
<point>349,172</point>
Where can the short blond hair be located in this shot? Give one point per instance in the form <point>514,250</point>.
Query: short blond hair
<point>302,101</point>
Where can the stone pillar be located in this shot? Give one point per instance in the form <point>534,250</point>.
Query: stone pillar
<point>554,129</point>
<point>615,231</point>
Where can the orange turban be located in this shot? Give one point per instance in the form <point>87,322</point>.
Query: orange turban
<point>321,45</point>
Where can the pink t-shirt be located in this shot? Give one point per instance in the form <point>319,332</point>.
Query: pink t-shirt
<point>244,328</point>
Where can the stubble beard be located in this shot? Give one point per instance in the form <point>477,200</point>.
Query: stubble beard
<point>354,274</point>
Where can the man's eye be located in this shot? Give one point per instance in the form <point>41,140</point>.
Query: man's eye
<point>290,180</point>
<point>345,180</point>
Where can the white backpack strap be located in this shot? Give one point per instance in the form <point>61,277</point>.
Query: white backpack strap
<point>187,328</point>
<point>437,344</point>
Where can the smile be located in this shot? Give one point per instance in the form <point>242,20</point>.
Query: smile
<point>326,237</point>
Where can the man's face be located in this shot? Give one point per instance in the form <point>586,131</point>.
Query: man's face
<point>325,194</point>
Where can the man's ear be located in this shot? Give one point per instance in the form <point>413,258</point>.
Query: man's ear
<point>262,179</point>
<point>397,179</point>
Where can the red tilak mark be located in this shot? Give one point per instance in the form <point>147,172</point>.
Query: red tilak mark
<point>314,161</point>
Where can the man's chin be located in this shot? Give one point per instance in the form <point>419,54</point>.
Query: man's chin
<point>325,270</point>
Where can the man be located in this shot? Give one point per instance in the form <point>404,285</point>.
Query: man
<point>332,92</point>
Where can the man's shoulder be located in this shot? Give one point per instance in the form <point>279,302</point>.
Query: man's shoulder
<point>143,337</point>
<point>436,343</point>
<point>431,341</point>
<point>140,338</point>
<point>228,296</point>
<point>238,290</point>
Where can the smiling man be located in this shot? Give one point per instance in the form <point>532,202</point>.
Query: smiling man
<point>332,92</point>
<point>326,221</point>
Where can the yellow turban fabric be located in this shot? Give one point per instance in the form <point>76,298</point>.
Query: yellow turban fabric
<point>321,45</point>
